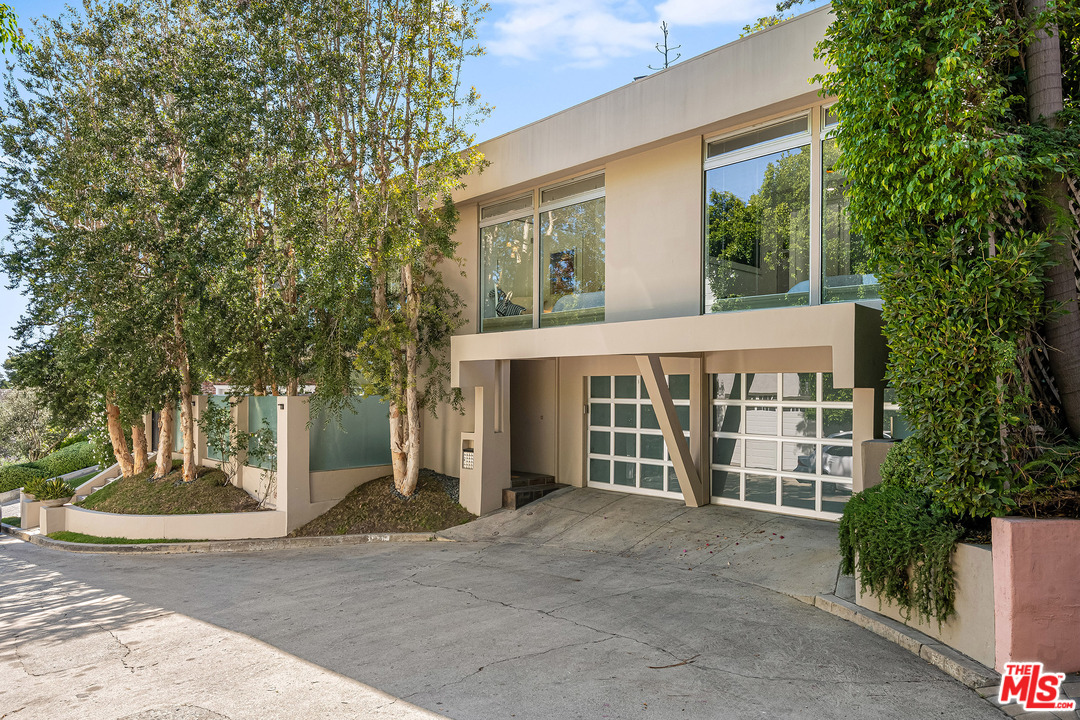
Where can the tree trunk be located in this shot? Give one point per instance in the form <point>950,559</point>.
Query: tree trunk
<point>119,442</point>
<point>412,424</point>
<point>165,441</point>
<point>397,447</point>
<point>1045,101</point>
<point>407,485</point>
<point>138,447</point>
<point>187,425</point>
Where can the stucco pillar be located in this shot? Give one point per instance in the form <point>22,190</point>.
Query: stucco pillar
<point>51,519</point>
<point>29,512</point>
<point>866,425</point>
<point>293,458</point>
<point>482,485</point>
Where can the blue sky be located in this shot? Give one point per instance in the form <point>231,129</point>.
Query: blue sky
<point>542,56</point>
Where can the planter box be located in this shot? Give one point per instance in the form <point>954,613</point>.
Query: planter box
<point>1037,592</point>
<point>971,629</point>
<point>29,510</point>
<point>1019,602</point>
<point>57,502</point>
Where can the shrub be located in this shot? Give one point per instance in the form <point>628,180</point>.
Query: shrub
<point>901,467</point>
<point>49,489</point>
<point>81,437</point>
<point>69,459</point>
<point>901,540</point>
<point>16,476</point>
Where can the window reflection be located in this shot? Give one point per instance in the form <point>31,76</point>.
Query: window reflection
<point>507,251</point>
<point>758,232</point>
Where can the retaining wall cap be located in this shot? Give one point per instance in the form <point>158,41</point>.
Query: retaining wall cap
<point>210,546</point>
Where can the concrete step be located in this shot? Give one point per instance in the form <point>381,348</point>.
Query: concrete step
<point>524,479</point>
<point>516,497</point>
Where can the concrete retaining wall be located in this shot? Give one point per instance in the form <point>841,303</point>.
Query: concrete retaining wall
<point>971,629</point>
<point>217,526</point>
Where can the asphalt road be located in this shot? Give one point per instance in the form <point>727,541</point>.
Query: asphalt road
<point>526,623</point>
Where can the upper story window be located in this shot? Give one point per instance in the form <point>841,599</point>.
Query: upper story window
<point>765,245</point>
<point>506,251</point>
<point>565,278</point>
<point>757,215</point>
<point>847,273</point>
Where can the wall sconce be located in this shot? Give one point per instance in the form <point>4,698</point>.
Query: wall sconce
<point>281,406</point>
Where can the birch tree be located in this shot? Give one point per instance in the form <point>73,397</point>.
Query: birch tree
<point>378,81</point>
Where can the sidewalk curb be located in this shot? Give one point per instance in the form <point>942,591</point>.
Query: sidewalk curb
<point>957,665</point>
<point>219,546</point>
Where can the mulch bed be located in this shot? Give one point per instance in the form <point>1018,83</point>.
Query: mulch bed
<point>375,507</point>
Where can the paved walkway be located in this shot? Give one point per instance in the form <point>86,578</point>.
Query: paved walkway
<point>586,604</point>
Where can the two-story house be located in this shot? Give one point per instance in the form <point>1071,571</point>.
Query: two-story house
<point>664,297</point>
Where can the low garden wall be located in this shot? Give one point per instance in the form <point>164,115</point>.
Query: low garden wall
<point>971,629</point>
<point>217,526</point>
<point>1018,601</point>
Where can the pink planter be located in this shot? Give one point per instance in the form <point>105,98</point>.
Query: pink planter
<point>1037,592</point>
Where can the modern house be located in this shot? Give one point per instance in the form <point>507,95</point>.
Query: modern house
<point>663,295</point>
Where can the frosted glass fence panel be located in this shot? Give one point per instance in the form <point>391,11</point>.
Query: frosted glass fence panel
<point>178,431</point>
<point>362,439</point>
<point>263,407</point>
<point>217,401</point>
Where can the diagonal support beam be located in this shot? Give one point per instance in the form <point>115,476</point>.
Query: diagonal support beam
<point>652,372</point>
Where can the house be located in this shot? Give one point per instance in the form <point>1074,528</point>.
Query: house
<point>663,295</point>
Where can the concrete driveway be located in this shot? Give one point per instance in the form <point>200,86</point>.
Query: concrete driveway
<point>586,604</point>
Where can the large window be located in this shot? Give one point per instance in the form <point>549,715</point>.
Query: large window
<point>846,270</point>
<point>506,251</point>
<point>565,279</point>
<point>572,252</point>
<point>757,235</point>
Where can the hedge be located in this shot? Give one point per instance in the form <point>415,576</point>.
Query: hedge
<point>68,459</point>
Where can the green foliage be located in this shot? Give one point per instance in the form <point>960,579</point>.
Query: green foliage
<point>901,466</point>
<point>26,427</point>
<point>901,540</point>
<point>74,537</point>
<point>941,164</point>
<point>75,439</point>
<point>10,34</point>
<point>54,489</point>
<point>69,459</point>
<point>63,461</point>
<point>16,476</point>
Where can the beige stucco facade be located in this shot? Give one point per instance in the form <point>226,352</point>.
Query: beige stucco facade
<point>526,390</point>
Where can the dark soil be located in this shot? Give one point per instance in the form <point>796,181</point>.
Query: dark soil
<point>143,495</point>
<point>376,507</point>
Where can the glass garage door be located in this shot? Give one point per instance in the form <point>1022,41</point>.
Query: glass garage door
<point>781,442</point>
<point>626,448</point>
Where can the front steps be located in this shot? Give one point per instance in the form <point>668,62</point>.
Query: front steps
<point>526,487</point>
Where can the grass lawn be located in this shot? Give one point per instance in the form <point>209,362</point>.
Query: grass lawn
<point>96,540</point>
<point>373,507</point>
<point>142,495</point>
<point>16,522</point>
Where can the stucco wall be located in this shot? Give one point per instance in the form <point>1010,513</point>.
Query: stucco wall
<point>653,243</point>
<point>971,630</point>
<point>218,526</point>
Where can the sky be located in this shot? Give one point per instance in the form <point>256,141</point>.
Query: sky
<point>541,56</point>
